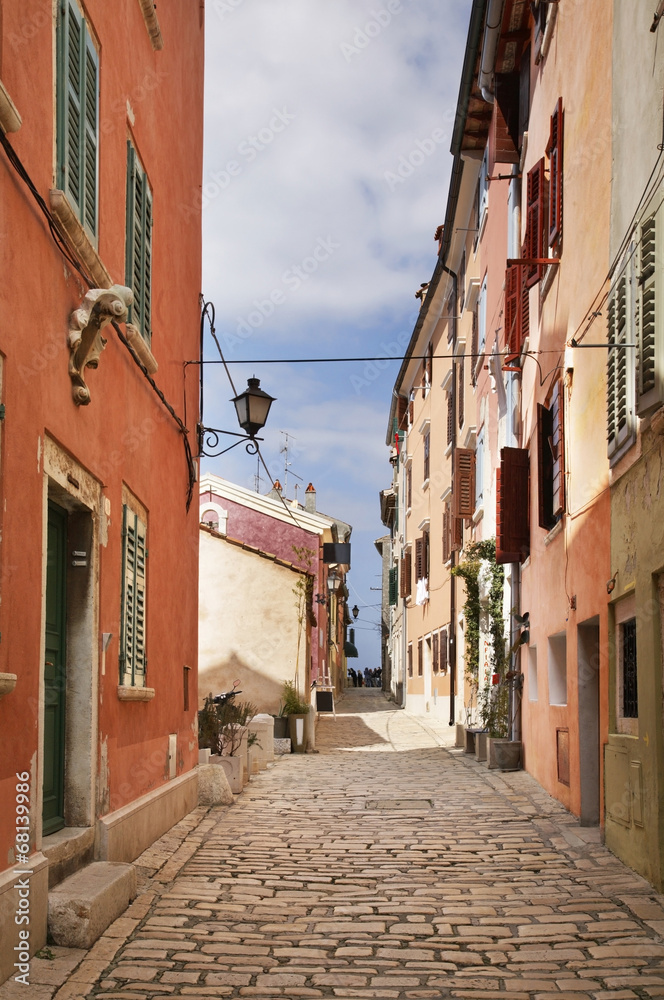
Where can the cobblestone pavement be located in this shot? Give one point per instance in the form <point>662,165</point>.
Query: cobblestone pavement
<point>387,865</point>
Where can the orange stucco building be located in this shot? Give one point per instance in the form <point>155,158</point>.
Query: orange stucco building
<point>99,552</point>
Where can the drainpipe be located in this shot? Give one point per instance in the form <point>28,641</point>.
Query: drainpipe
<point>453,653</point>
<point>494,19</point>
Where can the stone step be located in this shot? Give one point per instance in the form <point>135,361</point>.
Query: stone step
<point>85,904</point>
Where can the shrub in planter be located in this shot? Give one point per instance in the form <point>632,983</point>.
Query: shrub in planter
<point>222,727</point>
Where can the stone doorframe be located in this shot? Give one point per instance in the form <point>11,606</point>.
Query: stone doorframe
<point>68,484</point>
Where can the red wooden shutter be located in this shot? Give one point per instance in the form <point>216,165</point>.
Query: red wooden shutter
<point>534,247</point>
<point>557,449</point>
<point>420,658</point>
<point>443,650</point>
<point>503,130</point>
<point>544,468</point>
<point>555,151</point>
<point>402,412</point>
<point>512,292</point>
<point>523,316</point>
<point>410,659</point>
<point>435,652</point>
<point>446,533</point>
<point>464,482</point>
<point>457,534</point>
<point>425,555</point>
<point>450,418</point>
<point>408,573</point>
<point>512,506</point>
<point>474,349</point>
<point>411,411</point>
<point>460,394</point>
<point>419,558</point>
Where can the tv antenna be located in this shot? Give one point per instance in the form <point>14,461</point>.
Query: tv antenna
<point>284,451</point>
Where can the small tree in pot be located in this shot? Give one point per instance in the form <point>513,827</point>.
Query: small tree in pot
<point>296,709</point>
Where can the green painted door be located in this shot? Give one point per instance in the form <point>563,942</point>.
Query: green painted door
<point>53,814</point>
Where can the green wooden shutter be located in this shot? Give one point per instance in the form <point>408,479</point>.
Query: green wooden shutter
<point>620,366</point>
<point>138,258</point>
<point>649,347</point>
<point>77,114</point>
<point>393,585</point>
<point>132,639</point>
<point>89,135</point>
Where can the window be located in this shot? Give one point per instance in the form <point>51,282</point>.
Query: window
<point>409,486</point>
<point>555,153</point>
<point>462,281</point>
<point>479,471</point>
<point>473,350</point>
<point>517,311</point>
<point>464,483</point>
<point>558,669</point>
<point>483,189</point>
<point>650,355</point>
<point>532,673</point>
<point>481,306</point>
<point>420,657</point>
<point>434,654</point>
<point>551,458</point>
<point>461,390</point>
<point>138,263</point>
<point>410,659</point>
<point>512,520</point>
<point>452,533</point>
<point>450,418</point>
<point>443,650</point>
<point>392,585</point>
<point>406,574</point>
<point>428,370</point>
<point>629,693</point>
<point>427,464</point>
<point>77,114</point>
<point>533,248</point>
<point>133,660</point>
<point>422,556</point>
<point>620,377</point>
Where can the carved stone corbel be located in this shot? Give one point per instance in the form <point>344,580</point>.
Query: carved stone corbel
<point>99,307</point>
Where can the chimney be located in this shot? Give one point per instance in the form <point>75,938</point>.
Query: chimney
<point>310,499</point>
<point>275,492</point>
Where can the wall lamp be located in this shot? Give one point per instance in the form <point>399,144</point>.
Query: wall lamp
<point>252,407</point>
<point>355,610</point>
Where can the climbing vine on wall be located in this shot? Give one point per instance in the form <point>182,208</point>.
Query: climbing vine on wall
<point>469,570</point>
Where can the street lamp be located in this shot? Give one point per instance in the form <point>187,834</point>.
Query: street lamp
<point>355,611</point>
<point>252,407</point>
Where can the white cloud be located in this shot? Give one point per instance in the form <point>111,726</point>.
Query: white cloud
<point>309,142</point>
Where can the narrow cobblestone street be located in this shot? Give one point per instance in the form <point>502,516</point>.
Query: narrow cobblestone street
<point>386,865</point>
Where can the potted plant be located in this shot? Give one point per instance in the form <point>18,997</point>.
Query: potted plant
<point>222,728</point>
<point>280,723</point>
<point>297,710</point>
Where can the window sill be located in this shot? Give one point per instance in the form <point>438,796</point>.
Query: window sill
<point>126,693</point>
<point>448,450</point>
<point>555,531</point>
<point>7,683</point>
<point>152,24</point>
<point>425,485</point>
<point>10,120</point>
<point>76,236</point>
<point>478,515</point>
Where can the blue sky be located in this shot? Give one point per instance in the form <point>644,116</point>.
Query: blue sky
<point>327,136</point>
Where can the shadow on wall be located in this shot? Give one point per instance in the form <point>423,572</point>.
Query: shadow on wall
<point>258,687</point>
